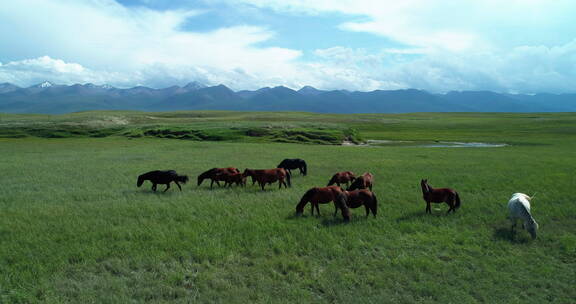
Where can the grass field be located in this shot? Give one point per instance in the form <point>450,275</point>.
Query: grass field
<point>75,228</point>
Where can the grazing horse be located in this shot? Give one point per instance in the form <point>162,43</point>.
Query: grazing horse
<point>342,178</point>
<point>215,175</point>
<point>233,178</point>
<point>439,195</point>
<point>293,163</point>
<point>354,199</point>
<point>519,208</point>
<point>318,196</point>
<point>162,177</point>
<point>364,181</point>
<point>269,176</point>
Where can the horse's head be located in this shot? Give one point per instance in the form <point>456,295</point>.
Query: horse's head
<point>140,181</point>
<point>247,172</point>
<point>424,185</point>
<point>532,228</point>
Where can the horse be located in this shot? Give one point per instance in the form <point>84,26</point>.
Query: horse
<point>317,196</point>
<point>342,178</point>
<point>519,208</point>
<point>162,177</point>
<point>354,199</point>
<point>440,195</point>
<point>363,181</point>
<point>293,163</point>
<point>233,178</point>
<point>269,176</point>
<point>215,175</point>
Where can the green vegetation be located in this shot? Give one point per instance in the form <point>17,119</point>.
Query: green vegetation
<point>75,228</point>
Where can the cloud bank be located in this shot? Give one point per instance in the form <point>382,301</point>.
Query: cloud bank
<point>524,46</point>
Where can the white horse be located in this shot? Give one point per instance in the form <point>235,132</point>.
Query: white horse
<point>519,207</point>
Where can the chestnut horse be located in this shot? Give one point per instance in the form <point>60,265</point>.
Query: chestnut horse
<point>162,177</point>
<point>355,199</point>
<point>363,181</point>
<point>233,178</point>
<point>215,175</point>
<point>269,176</point>
<point>440,195</point>
<point>318,196</point>
<point>342,178</point>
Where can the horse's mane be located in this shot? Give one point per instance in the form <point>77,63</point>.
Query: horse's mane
<point>207,173</point>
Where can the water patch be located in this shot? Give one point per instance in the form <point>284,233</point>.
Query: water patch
<point>424,144</point>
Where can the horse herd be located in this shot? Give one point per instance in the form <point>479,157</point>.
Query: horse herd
<point>358,192</point>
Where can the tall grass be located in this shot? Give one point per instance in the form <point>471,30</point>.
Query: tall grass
<point>75,228</point>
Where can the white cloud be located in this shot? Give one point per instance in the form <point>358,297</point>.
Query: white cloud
<point>104,38</point>
<point>522,45</point>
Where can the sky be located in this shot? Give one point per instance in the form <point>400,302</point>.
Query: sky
<point>514,46</point>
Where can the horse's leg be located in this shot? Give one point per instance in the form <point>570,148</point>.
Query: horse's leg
<point>312,208</point>
<point>177,184</point>
<point>367,209</point>
<point>317,209</point>
<point>154,187</point>
<point>167,187</point>
<point>262,184</point>
<point>428,208</point>
<point>335,208</point>
<point>211,183</point>
<point>451,205</point>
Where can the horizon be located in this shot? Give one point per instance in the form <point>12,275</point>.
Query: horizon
<point>521,47</point>
<point>108,87</point>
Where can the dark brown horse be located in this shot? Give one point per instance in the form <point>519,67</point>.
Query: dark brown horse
<point>364,181</point>
<point>355,199</point>
<point>215,175</point>
<point>318,196</point>
<point>269,176</point>
<point>342,178</point>
<point>440,195</point>
<point>294,163</point>
<point>162,177</point>
<point>233,178</point>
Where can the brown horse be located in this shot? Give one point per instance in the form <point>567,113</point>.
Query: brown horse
<point>342,178</point>
<point>269,176</point>
<point>233,178</point>
<point>318,196</point>
<point>216,175</point>
<point>363,181</point>
<point>440,195</point>
<point>355,199</point>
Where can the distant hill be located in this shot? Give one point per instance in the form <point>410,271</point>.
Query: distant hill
<point>50,98</point>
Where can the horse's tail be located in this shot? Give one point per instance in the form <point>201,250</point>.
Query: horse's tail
<point>305,199</point>
<point>288,178</point>
<point>304,168</point>
<point>182,178</point>
<point>457,197</point>
<point>374,204</point>
<point>340,202</point>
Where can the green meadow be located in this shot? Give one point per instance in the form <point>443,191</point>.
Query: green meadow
<point>75,228</point>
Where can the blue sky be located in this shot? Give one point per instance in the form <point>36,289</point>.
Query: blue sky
<point>517,46</point>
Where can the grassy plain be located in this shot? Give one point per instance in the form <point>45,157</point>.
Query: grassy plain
<point>74,227</point>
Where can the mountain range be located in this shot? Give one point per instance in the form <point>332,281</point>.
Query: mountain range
<point>50,98</point>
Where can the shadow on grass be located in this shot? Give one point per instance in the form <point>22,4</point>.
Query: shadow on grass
<point>506,234</point>
<point>336,221</point>
<point>411,216</point>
